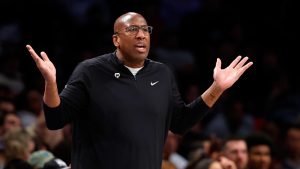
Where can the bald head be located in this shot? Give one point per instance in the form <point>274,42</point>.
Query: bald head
<point>125,19</point>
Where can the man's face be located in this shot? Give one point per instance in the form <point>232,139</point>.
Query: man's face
<point>132,38</point>
<point>11,121</point>
<point>236,150</point>
<point>260,157</point>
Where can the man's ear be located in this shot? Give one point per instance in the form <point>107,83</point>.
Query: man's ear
<point>116,40</point>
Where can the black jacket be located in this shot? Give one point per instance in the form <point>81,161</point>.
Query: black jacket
<point>121,121</point>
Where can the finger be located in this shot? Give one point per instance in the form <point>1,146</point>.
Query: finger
<point>45,56</point>
<point>30,49</point>
<point>235,61</point>
<point>218,63</point>
<point>33,54</point>
<point>242,62</point>
<point>244,68</point>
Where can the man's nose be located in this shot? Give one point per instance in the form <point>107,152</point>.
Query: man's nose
<point>141,34</point>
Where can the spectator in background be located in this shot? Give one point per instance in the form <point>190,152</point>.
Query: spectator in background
<point>235,149</point>
<point>18,145</point>
<point>260,151</point>
<point>9,121</point>
<point>213,158</point>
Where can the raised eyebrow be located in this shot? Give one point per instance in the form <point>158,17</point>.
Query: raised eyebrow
<point>138,25</point>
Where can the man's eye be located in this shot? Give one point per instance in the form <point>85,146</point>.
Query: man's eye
<point>132,29</point>
<point>145,29</point>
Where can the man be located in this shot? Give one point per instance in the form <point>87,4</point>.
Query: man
<point>259,151</point>
<point>122,104</point>
<point>235,149</point>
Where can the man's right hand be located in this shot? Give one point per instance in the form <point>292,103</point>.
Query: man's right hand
<point>45,66</point>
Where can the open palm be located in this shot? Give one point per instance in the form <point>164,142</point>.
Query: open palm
<point>225,78</point>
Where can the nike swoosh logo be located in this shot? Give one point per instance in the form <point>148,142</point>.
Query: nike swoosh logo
<point>153,83</point>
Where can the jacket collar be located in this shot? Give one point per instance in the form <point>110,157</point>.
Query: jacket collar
<point>120,63</point>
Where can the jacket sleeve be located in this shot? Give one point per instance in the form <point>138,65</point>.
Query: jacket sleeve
<point>185,116</point>
<point>74,100</point>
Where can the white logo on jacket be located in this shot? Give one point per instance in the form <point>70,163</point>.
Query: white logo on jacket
<point>153,83</point>
<point>117,75</point>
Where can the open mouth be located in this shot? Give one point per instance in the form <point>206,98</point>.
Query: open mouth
<point>140,47</point>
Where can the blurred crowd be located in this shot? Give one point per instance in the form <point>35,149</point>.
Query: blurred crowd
<point>254,125</point>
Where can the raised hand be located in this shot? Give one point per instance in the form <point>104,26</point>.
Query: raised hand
<point>225,78</point>
<point>226,163</point>
<point>43,63</point>
<point>46,67</point>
